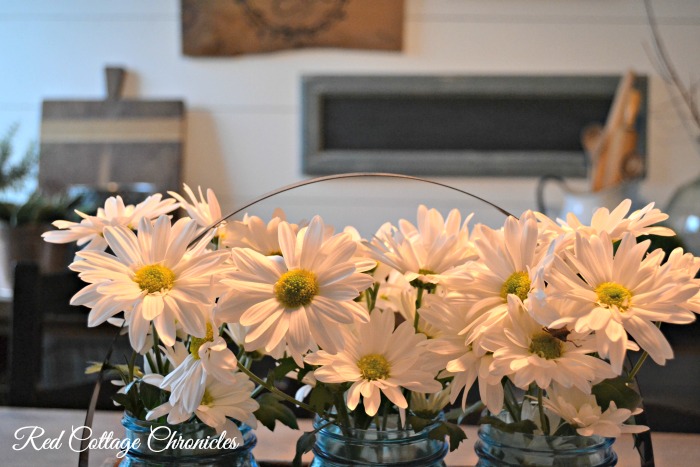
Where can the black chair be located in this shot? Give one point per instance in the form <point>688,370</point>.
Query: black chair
<point>51,345</point>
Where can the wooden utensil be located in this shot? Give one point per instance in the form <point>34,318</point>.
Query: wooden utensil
<point>606,157</point>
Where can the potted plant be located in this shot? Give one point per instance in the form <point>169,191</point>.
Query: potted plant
<point>22,222</point>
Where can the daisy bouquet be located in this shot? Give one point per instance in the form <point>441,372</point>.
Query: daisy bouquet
<point>382,333</point>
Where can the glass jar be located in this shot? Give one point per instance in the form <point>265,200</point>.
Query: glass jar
<point>497,448</point>
<point>157,448</point>
<point>684,215</point>
<point>390,447</point>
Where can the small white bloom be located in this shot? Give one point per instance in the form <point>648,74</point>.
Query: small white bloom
<point>220,402</point>
<point>90,230</point>
<point>463,360</point>
<point>527,353</point>
<point>614,223</point>
<point>208,356</point>
<point>428,252</point>
<point>378,359</point>
<point>429,405</point>
<point>252,232</point>
<point>583,412</point>
<point>508,264</point>
<point>204,211</point>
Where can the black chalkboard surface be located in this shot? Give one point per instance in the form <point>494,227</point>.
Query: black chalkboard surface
<point>506,126</point>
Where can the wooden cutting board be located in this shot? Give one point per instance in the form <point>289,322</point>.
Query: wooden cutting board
<point>123,141</point>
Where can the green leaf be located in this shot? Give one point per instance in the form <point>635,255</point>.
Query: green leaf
<point>321,398</point>
<point>304,444</point>
<point>271,409</point>
<point>452,431</point>
<point>360,417</point>
<point>523,426</point>
<point>151,396</point>
<point>419,423</point>
<point>618,390</point>
<point>458,415</point>
<point>280,371</point>
<point>129,399</point>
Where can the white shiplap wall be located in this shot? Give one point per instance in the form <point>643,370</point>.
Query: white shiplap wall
<point>243,135</point>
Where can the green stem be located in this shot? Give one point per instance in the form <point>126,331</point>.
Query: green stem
<point>543,418</point>
<point>343,416</point>
<point>371,297</point>
<point>419,302</point>
<point>276,391</point>
<point>374,294</point>
<point>151,363</point>
<point>637,366</point>
<point>509,399</point>
<point>385,416</point>
<point>132,364</point>
<point>640,362</point>
<point>156,350</point>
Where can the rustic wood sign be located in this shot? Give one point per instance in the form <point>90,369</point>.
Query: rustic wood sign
<point>111,141</point>
<point>233,27</point>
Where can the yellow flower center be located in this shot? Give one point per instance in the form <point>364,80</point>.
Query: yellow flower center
<point>197,342</point>
<point>612,293</point>
<point>154,278</point>
<point>545,345</point>
<point>425,272</point>
<point>207,399</point>
<point>296,288</point>
<point>374,366</point>
<point>517,284</point>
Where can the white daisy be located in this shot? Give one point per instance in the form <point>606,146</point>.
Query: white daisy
<point>614,223</point>
<point>151,278</point>
<point>377,359</point>
<point>509,260</point>
<point>220,403</point>
<point>428,252</point>
<point>582,411</point>
<point>526,352</point>
<point>204,211</point>
<point>253,233</point>
<point>429,405</point>
<point>90,230</point>
<point>405,303</point>
<point>208,356</point>
<point>299,297</point>
<point>618,294</point>
<point>463,361</point>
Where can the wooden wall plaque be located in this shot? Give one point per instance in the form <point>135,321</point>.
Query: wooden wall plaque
<point>124,141</point>
<point>234,27</point>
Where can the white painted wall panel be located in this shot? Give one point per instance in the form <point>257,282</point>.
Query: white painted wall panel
<point>243,135</point>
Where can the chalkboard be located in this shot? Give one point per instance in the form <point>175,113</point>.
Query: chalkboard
<point>457,125</point>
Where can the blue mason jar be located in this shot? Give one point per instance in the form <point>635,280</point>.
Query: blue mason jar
<point>404,448</point>
<point>496,448</point>
<point>158,450</point>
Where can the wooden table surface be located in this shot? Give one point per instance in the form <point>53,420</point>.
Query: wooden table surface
<point>671,449</point>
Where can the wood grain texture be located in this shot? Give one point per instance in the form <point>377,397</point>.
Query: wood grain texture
<point>122,141</point>
<point>226,27</point>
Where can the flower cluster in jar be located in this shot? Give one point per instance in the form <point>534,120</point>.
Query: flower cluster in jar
<point>383,332</point>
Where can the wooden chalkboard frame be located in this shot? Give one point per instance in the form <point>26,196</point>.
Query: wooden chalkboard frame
<point>317,158</point>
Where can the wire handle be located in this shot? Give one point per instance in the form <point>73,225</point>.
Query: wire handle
<point>344,176</point>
